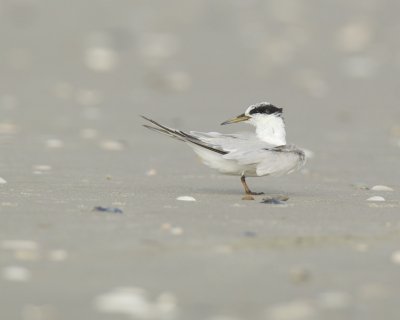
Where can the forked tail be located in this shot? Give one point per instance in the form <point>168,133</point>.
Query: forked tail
<point>179,135</point>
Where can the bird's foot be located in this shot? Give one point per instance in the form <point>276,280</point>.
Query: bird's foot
<point>255,193</point>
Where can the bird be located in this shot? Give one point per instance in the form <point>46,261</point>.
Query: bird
<point>248,154</point>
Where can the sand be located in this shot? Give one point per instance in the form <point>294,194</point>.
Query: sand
<point>74,78</point>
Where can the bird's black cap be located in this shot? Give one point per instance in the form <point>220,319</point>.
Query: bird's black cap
<point>266,108</point>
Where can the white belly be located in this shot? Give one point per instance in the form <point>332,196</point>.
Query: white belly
<point>224,166</point>
<point>278,163</point>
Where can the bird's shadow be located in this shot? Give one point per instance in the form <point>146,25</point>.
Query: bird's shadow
<point>233,191</point>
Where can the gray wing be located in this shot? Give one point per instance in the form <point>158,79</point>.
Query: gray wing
<point>232,143</point>
<point>281,160</point>
<point>247,149</point>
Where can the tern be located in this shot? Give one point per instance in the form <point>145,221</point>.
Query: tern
<point>248,154</point>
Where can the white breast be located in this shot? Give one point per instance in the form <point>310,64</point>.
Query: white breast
<point>270,129</point>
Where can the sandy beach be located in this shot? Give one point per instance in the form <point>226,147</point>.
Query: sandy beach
<point>74,78</point>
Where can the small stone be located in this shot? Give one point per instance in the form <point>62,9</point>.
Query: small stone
<point>58,255</point>
<point>107,209</point>
<point>381,188</point>
<point>54,143</point>
<point>250,234</point>
<point>135,303</point>
<point>185,198</point>
<point>176,231</point>
<point>101,59</point>
<point>396,257</point>
<point>16,273</point>
<point>354,37</point>
<point>100,52</point>
<point>42,167</point>
<point>151,172</point>
<point>376,199</point>
<point>129,301</point>
<point>277,200</point>
<point>273,201</point>
<point>166,226</point>
<point>2,181</point>
<point>112,145</point>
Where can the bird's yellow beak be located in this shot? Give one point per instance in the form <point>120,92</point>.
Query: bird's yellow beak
<point>240,118</point>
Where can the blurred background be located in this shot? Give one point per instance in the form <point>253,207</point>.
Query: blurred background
<point>76,75</point>
<point>67,66</point>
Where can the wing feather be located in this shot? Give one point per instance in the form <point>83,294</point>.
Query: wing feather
<point>180,135</point>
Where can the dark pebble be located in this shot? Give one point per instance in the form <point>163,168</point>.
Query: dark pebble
<point>250,234</point>
<point>273,201</point>
<point>108,209</point>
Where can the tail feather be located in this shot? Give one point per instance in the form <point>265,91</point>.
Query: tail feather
<point>179,135</point>
<point>163,132</point>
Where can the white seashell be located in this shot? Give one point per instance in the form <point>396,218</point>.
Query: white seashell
<point>381,188</point>
<point>376,199</point>
<point>185,198</point>
<point>16,273</point>
<point>396,257</point>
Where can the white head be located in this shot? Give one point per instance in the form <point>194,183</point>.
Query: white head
<point>268,121</point>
